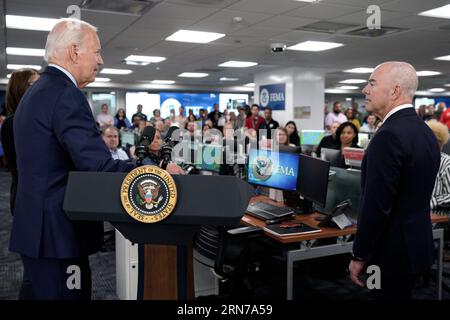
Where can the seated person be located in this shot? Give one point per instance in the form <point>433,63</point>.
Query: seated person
<point>441,191</point>
<point>347,136</point>
<point>282,137</point>
<point>111,137</point>
<point>330,141</point>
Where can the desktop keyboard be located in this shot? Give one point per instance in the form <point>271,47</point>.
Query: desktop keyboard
<point>266,211</point>
<point>442,211</point>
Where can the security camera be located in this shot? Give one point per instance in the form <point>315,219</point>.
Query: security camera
<point>277,47</point>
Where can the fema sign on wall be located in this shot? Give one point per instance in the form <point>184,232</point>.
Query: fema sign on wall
<point>272,96</point>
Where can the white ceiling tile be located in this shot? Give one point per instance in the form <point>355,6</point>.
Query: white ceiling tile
<point>223,21</point>
<point>322,11</point>
<point>267,6</point>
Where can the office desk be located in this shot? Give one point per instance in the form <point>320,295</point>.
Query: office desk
<point>305,244</point>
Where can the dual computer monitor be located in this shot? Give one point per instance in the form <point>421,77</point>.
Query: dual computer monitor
<point>299,173</point>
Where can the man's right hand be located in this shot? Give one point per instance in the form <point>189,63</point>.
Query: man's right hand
<point>173,168</point>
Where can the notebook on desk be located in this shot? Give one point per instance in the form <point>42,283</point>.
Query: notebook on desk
<point>290,229</point>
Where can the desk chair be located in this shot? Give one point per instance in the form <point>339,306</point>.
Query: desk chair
<point>231,255</point>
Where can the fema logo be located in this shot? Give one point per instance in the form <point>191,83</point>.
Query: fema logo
<point>264,98</point>
<point>148,194</point>
<point>262,168</point>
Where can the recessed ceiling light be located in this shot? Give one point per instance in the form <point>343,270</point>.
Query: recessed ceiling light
<point>13,51</point>
<point>443,58</point>
<point>193,75</point>
<point>115,71</point>
<point>426,73</point>
<point>360,70</point>
<point>436,90</point>
<point>21,66</point>
<point>251,84</point>
<point>422,93</point>
<point>30,23</point>
<point>315,46</point>
<point>238,64</point>
<point>144,59</point>
<point>440,12</point>
<point>348,87</point>
<point>308,0</point>
<point>348,99</point>
<point>194,36</point>
<point>353,81</point>
<point>447,85</point>
<point>163,81</point>
<point>228,79</point>
<point>102,79</point>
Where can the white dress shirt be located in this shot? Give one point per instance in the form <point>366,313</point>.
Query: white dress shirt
<point>397,109</point>
<point>67,73</point>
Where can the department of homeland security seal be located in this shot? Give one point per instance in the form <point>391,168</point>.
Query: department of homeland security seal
<point>262,168</point>
<point>148,194</point>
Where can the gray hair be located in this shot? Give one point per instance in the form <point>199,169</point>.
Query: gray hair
<point>66,32</point>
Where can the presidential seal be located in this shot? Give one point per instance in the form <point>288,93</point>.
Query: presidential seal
<point>148,194</point>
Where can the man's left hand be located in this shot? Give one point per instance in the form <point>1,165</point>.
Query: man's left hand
<point>355,268</point>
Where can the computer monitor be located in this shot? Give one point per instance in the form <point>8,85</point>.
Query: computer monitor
<point>311,137</point>
<point>290,149</point>
<point>209,157</point>
<point>353,156</point>
<point>277,170</point>
<point>127,139</point>
<point>363,139</point>
<point>334,156</point>
<point>313,180</point>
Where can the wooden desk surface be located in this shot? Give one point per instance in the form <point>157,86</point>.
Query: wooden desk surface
<point>310,220</point>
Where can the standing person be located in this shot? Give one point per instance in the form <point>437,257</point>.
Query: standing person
<point>268,124</point>
<point>294,138</point>
<point>240,119</point>
<point>335,116</point>
<point>104,119</point>
<point>139,113</point>
<point>255,120</point>
<point>215,115</point>
<point>65,138</point>
<point>398,174</point>
<point>121,121</point>
<point>19,82</point>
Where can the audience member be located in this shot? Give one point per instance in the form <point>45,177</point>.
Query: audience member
<point>268,124</point>
<point>139,113</point>
<point>294,138</point>
<point>330,141</point>
<point>120,120</point>
<point>335,116</point>
<point>111,137</point>
<point>104,119</point>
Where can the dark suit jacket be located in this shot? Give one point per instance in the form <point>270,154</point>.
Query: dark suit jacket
<point>398,174</point>
<point>54,133</point>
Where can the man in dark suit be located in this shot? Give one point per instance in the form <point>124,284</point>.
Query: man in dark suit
<point>55,132</point>
<point>398,174</point>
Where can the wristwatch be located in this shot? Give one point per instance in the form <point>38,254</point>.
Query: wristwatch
<point>355,258</point>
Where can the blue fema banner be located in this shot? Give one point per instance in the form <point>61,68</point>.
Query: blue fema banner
<point>272,96</point>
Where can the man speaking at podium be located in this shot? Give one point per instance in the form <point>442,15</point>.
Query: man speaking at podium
<point>398,174</point>
<point>55,133</point>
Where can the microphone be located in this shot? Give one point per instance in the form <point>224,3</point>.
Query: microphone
<point>169,133</point>
<point>146,139</point>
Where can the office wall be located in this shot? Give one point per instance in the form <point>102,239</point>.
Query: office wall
<point>304,87</point>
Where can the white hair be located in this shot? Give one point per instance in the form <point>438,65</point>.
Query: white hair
<point>66,32</point>
<point>404,75</point>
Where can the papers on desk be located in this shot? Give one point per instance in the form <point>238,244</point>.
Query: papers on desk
<point>290,228</point>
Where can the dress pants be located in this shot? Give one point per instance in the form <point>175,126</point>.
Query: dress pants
<point>49,278</point>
